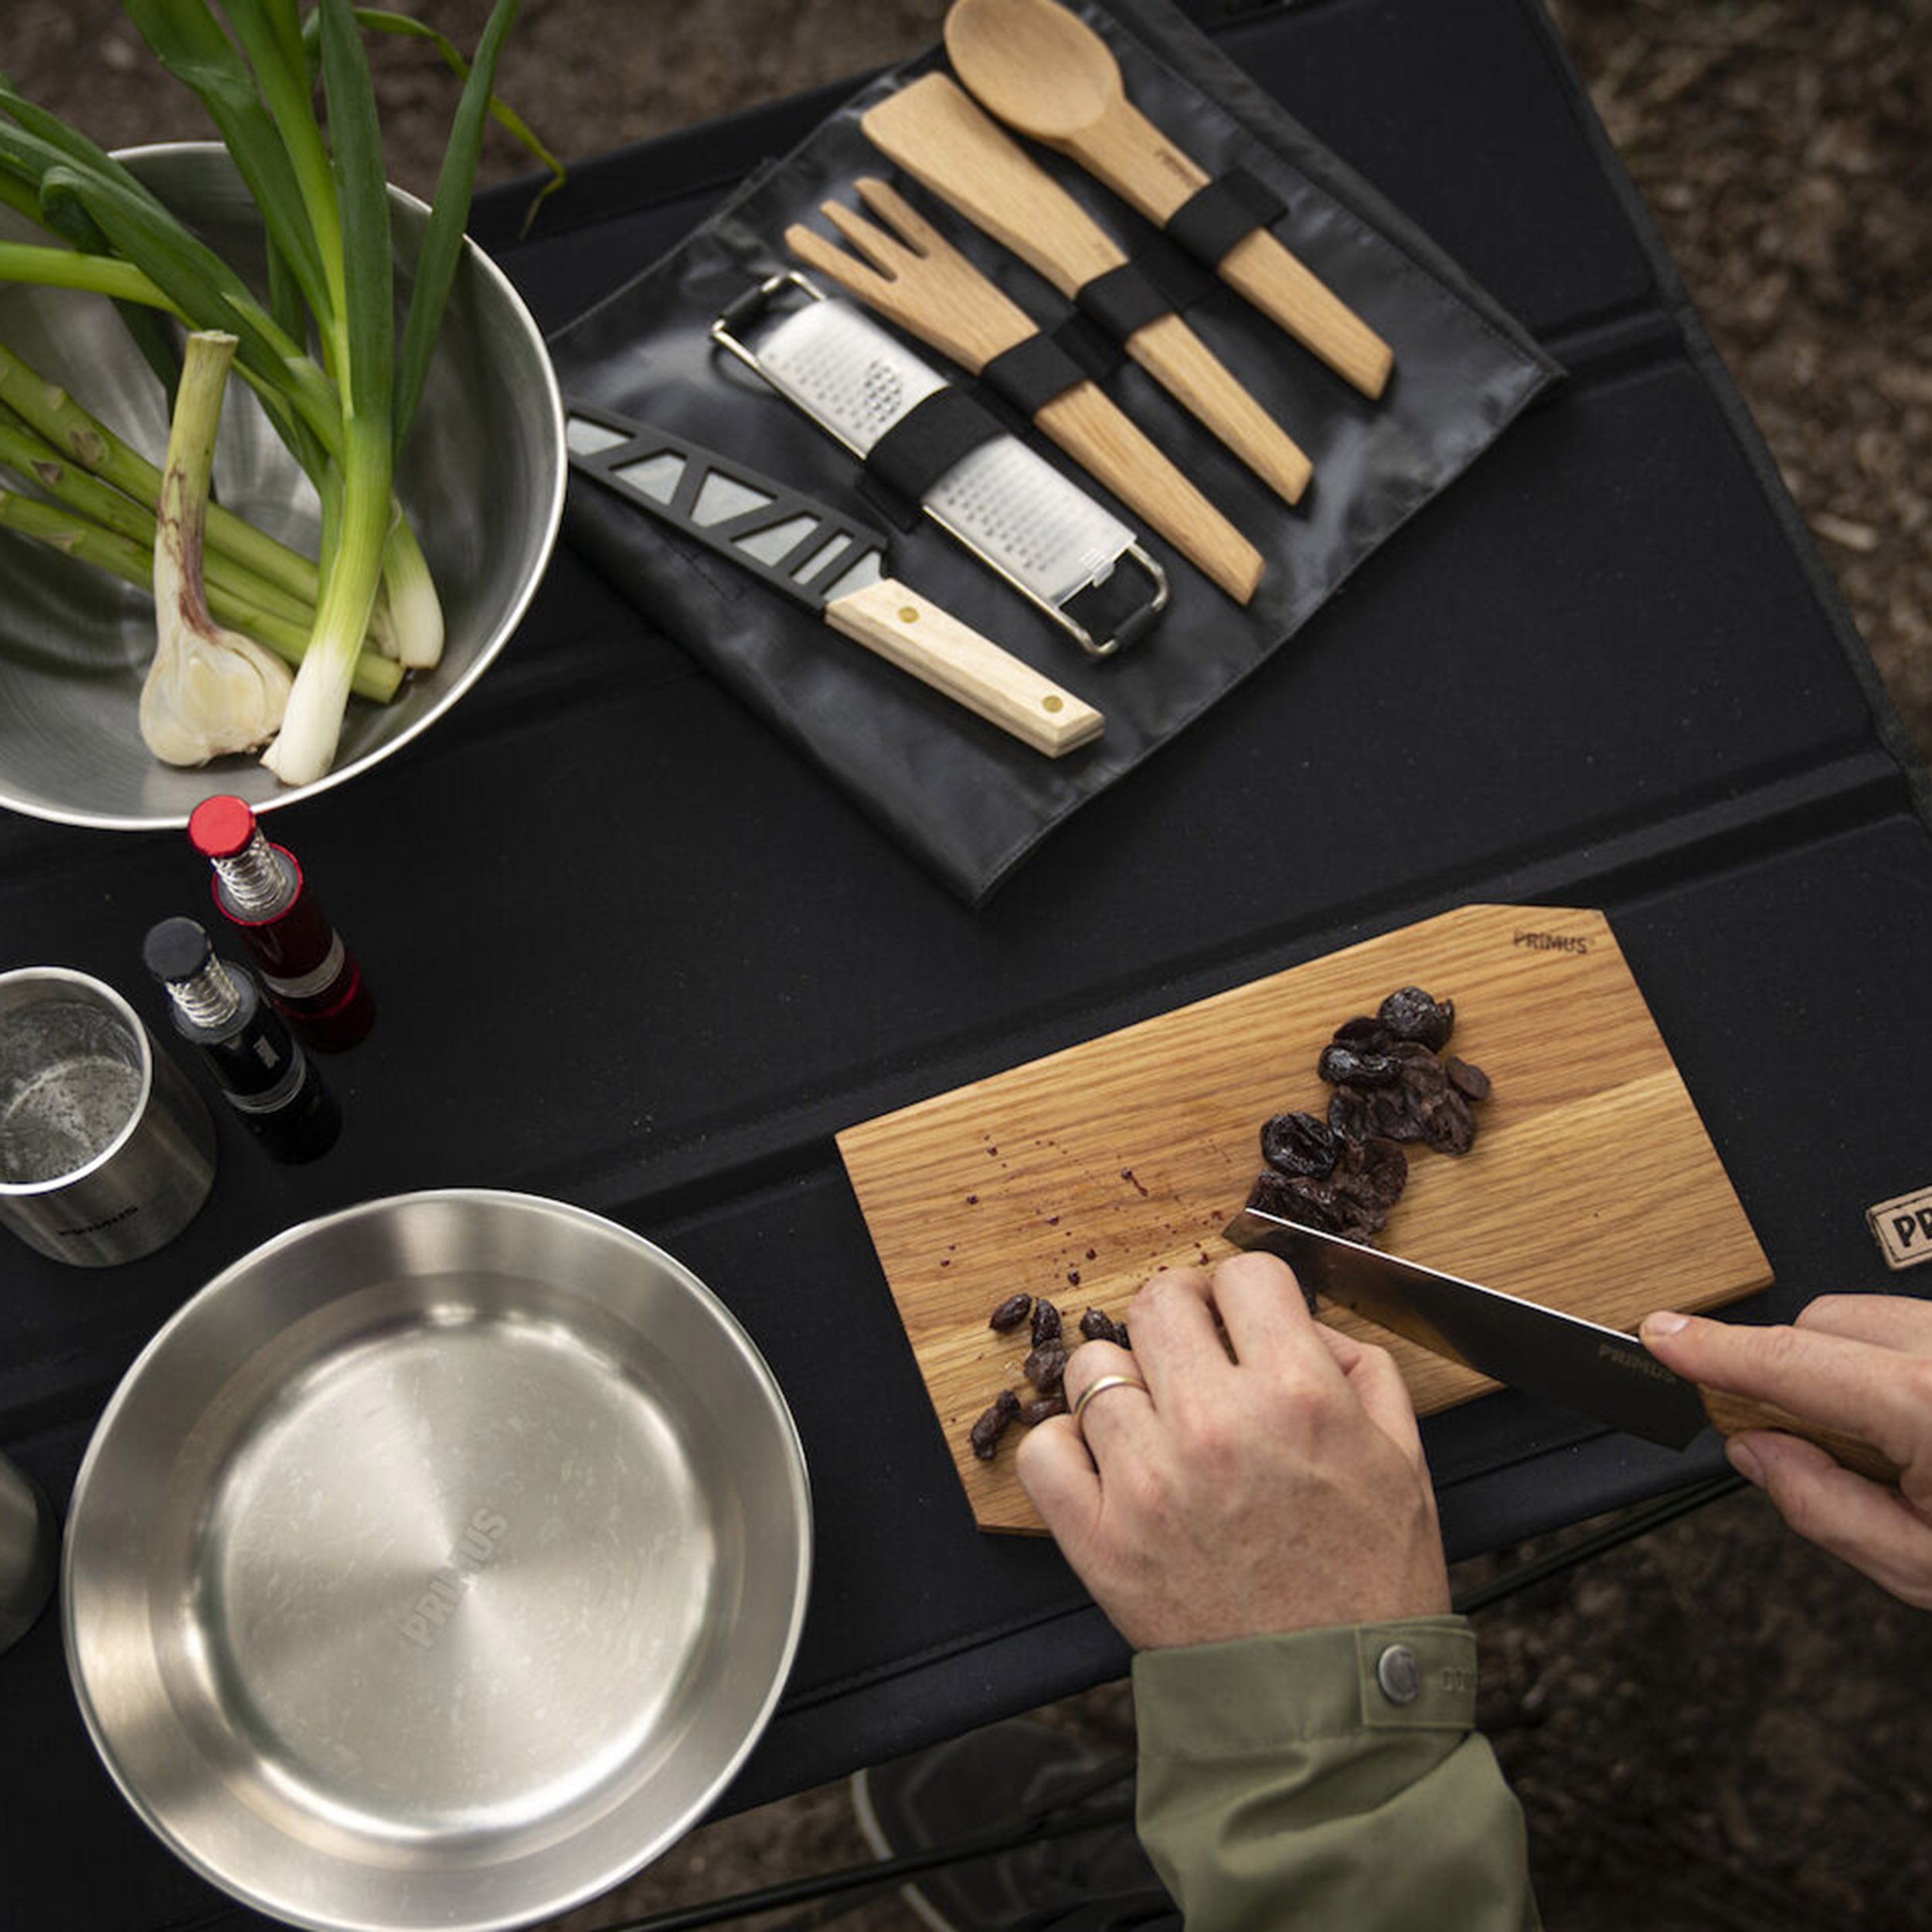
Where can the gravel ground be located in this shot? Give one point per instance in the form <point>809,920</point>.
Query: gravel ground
<point>1716,1726</point>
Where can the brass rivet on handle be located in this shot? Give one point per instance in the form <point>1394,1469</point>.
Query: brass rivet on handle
<point>1052,704</point>
<point>908,613</point>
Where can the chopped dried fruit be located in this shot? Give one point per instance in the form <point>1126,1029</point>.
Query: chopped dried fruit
<point>1349,1067</point>
<point>1471,1082</point>
<point>1045,1367</point>
<point>1299,1144</point>
<point>1033,1413</point>
<point>1046,1322</point>
<point>1409,1013</point>
<point>1098,1326</point>
<point>1011,1312</point>
<point>991,1425</point>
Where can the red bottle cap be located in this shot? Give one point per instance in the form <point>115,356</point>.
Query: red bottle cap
<point>220,827</point>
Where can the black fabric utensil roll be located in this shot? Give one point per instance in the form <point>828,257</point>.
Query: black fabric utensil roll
<point>968,804</point>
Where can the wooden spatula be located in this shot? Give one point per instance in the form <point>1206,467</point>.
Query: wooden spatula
<point>934,131</point>
<point>1045,71</point>
<point>919,279</point>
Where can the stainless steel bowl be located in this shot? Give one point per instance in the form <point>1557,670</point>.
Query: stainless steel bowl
<point>483,478</point>
<point>437,1565</point>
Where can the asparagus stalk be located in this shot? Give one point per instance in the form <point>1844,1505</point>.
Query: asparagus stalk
<point>59,529</point>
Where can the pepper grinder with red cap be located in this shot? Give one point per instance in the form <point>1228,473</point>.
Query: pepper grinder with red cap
<point>311,977</point>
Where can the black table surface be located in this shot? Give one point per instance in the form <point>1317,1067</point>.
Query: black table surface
<point>632,954</point>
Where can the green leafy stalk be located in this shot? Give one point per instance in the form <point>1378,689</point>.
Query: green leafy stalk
<point>50,267</point>
<point>449,216</point>
<point>383,21</point>
<point>305,746</point>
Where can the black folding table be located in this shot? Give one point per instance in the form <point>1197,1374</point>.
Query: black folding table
<point>632,951</point>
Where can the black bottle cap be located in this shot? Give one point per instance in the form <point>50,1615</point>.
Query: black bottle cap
<point>175,949</point>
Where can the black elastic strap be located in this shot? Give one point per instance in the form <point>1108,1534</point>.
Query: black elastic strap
<point>1123,301</point>
<point>924,444</point>
<point>1213,219</point>
<point>1031,373</point>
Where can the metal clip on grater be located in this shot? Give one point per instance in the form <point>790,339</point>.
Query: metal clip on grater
<point>1001,500</point>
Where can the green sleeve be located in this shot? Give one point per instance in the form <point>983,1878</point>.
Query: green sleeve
<point>1315,1781</point>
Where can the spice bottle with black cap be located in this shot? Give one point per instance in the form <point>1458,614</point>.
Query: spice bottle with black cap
<point>311,977</point>
<point>263,1073</point>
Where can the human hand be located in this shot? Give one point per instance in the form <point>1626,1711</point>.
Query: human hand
<point>1280,1490</point>
<point>1859,1362</point>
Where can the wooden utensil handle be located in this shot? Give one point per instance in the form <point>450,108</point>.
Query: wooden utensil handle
<point>1170,352</point>
<point>1086,423</point>
<point>1126,150</point>
<point>1318,319</point>
<point>1733,1414</point>
<point>951,657</point>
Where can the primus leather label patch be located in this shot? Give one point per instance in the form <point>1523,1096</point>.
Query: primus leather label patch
<point>1903,1227</point>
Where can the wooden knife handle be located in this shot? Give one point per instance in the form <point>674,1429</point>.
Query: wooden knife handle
<point>936,647</point>
<point>1733,1414</point>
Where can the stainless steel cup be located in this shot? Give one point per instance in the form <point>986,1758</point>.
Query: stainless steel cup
<point>29,1542</point>
<point>106,1150</point>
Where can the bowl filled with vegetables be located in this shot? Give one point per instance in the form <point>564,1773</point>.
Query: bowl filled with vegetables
<point>282,459</point>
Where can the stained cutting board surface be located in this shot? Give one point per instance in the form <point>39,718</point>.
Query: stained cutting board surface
<point>1592,1186</point>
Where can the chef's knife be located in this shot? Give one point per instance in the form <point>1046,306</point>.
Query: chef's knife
<point>1562,1358</point>
<point>828,562</point>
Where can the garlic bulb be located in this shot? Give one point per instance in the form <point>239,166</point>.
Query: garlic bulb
<point>209,690</point>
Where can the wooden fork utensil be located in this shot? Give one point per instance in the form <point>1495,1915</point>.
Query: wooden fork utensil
<point>915,277</point>
<point>1045,71</point>
<point>936,131</point>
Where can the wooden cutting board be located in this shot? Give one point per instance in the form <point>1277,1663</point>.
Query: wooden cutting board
<point>1592,1185</point>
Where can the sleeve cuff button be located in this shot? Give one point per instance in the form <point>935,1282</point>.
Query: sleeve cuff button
<point>1399,1672</point>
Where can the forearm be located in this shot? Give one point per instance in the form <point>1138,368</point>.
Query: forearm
<point>1282,1786</point>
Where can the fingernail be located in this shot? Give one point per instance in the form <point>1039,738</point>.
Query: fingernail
<point>1743,1459</point>
<point>1664,1323</point>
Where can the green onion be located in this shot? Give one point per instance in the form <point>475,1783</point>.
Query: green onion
<point>324,203</point>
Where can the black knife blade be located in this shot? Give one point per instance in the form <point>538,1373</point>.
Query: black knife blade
<point>1564,1358</point>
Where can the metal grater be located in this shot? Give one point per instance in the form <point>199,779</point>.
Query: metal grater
<point>1003,500</point>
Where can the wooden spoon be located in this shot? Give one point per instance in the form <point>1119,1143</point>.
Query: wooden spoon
<point>1043,70</point>
<point>936,131</point>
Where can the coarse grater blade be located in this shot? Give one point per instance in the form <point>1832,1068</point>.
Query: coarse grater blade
<point>1003,500</point>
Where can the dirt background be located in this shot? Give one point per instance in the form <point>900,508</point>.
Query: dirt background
<point>1716,1726</point>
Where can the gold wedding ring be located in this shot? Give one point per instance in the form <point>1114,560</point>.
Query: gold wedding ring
<point>1101,1385</point>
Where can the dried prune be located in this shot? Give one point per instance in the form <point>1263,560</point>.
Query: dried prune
<point>1298,1144</point>
<point>1046,1322</point>
<point>1447,1124</point>
<point>1409,1013</point>
<point>1045,1367</point>
<point>1033,1413</point>
<point>1471,1082</point>
<point>1372,1173</point>
<point>1365,1032</point>
<point>1011,1312</point>
<point>1096,1325</point>
<point>987,1431</point>
<point>1297,1197</point>
<point>1349,1067</point>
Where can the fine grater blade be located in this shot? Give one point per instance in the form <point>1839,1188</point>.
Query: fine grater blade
<point>1003,500</point>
